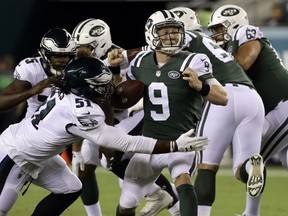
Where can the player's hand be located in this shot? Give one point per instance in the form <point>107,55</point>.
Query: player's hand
<point>191,76</point>
<point>107,157</point>
<point>115,57</point>
<point>187,143</point>
<point>137,107</point>
<point>77,162</point>
<point>43,84</point>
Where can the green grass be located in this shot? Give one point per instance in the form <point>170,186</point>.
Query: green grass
<point>230,195</point>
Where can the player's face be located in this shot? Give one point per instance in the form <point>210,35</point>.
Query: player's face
<point>169,35</point>
<point>218,33</point>
<point>59,62</point>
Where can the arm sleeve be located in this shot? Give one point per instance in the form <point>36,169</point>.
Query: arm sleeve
<point>247,33</point>
<point>202,65</point>
<point>111,137</point>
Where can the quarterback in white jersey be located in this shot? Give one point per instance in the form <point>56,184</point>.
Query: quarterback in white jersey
<point>68,114</point>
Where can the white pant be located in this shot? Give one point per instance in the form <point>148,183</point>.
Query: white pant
<point>275,136</point>
<point>55,177</point>
<point>240,122</point>
<point>143,170</point>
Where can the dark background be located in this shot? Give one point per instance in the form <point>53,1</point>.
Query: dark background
<point>23,23</point>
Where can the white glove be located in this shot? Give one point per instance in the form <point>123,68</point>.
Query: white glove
<point>138,106</point>
<point>186,143</point>
<point>77,162</point>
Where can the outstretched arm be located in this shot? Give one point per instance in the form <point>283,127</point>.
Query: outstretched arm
<point>114,138</point>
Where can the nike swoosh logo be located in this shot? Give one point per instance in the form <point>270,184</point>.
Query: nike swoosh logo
<point>203,59</point>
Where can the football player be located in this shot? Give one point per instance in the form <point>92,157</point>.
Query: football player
<point>93,38</point>
<point>175,84</point>
<point>256,55</point>
<point>34,75</point>
<point>33,155</point>
<point>238,119</point>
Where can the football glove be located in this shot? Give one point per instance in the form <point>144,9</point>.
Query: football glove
<point>187,143</point>
<point>77,162</point>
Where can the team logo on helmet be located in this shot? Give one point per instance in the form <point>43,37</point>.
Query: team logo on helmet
<point>179,13</point>
<point>230,12</point>
<point>149,23</point>
<point>102,79</point>
<point>97,31</point>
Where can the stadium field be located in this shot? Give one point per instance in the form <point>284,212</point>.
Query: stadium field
<point>230,195</point>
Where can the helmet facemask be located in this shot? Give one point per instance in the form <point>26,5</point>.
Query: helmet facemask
<point>170,48</point>
<point>157,22</point>
<point>97,93</point>
<point>220,33</point>
<point>56,70</point>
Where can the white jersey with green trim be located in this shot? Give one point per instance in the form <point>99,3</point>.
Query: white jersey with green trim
<point>32,71</point>
<point>60,121</point>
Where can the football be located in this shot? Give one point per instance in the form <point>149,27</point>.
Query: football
<point>127,94</point>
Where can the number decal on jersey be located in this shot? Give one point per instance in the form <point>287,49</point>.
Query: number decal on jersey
<point>31,60</point>
<point>250,33</point>
<point>42,112</point>
<point>206,65</point>
<point>158,95</point>
<point>216,50</point>
<point>82,102</point>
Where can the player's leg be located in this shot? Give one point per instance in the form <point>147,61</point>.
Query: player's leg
<point>179,166</point>
<point>217,124</point>
<point>64,185</point>
<point>248,165</point>
<point>156,197</point>
<point>133,126</point>
<point>275,136</point>
<point>139,177</point>
<point>273,140</point>
<point>90,190</point>
<point>12,179</point>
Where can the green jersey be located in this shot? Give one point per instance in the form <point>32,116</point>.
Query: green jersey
<point>267,73</point>
<point>171,106</point>
<point>225,68</point>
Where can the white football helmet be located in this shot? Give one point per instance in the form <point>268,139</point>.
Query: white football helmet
<point>93,32</point>
<point>188,17</point>
<point>56,42</point>
<point>230,17</point>
<point>160,19</point>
